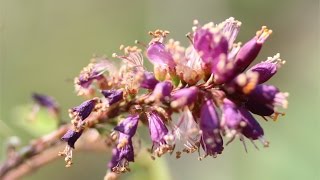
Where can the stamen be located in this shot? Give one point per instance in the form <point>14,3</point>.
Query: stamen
<point>190,38</point>
<point>263,34</point>
<point>280,100</point>
<point>158,35</point>
<point>254,144</point>
<point>276,60</point>
<point>244,143</point>
<point>231,29</point>
<point>67,152</point>
<point>140,43</point>
<point>276,115</point>
<point>264,141</point>
<point>234,51</point>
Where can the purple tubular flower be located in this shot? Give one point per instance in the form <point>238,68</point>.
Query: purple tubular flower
<point>159,134</point>
<point>209,118</point>
<point>129,125</point>
<point>157,128</point>
<point>268,94</point>
<point>162,90</point>
<point>113,96</point>
<point>71,137</point>
<point>122,155</point>
<point>149,81</point>
<point>45,101</point>
<point>94,71</point>
<point>158,54</point>
<point>264,98</point>
<point>211,44</point>
<point>228,70</point>
<point>251,49</point>
<point>267,68</point>
<point>231,119</point>
<point>211,139</point>
<point>258,108</point>
<point>211,143</point>
<point>82,111</point>
<point>184,97</point>
<point>252,130</point>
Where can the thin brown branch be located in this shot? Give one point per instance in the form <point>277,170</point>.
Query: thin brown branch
<point>44,145</point>
<point>31,164</point>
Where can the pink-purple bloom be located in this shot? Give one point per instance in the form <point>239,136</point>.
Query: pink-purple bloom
<point>149,81</point>
<point>158,54</point>
<point>211,139</point>
<point>82,111</point>
<point>184,97</point>
<point>231,118</point>
<point>268,68</point>
<point>129,125</point>
<point>252,130</point>
<point>162,91</point>
<point>71,137</point>
<point>45,101</point>
<point>210,44</point>
<point>122,154</point>
<point>264,100</point>
<point>159,134</point>
<point>113,96</point>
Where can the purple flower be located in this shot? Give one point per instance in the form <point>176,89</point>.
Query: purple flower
<point>259,108</point>
<point>113,96</point>
<point>228,69</point>
<point>149,81</point>
<point>264,98</point>
<point>251,49</point>
<point>129,125</point>
<point>71,137</point>
<point>231,118</point>
<point>161,91</point>
<point>158,54</point>
<point>159,134</point>
<point>122,155</point>
<point>184,97</point>
<point>210,44</point>
<point>268,68</point>
<point>82,111</point>
<point>211,139</point>
<point>94,71</point>
<point>252,130</point>
<point>45,101</point>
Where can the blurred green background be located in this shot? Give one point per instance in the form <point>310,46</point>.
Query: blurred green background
<point>46,43</point>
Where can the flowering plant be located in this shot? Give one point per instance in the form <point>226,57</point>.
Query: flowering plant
<point>208,84</point>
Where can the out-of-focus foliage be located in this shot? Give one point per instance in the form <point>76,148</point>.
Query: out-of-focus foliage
<point>35,124</point>
<point>44,44</point>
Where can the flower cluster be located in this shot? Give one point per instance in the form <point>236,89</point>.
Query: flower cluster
<point>208,84</point>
